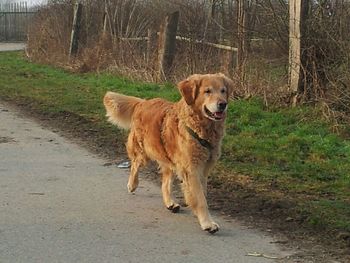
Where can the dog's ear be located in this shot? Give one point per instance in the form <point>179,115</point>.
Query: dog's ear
<point>229,84</point>
<point>189,88</point>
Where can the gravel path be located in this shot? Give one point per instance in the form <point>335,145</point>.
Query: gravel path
<point>12,46</point>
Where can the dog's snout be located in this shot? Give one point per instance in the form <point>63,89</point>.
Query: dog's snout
<point>222,105</point>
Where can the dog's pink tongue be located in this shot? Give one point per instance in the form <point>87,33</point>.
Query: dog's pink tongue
<point>218,114</point>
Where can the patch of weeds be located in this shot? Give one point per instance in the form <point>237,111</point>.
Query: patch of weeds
<point>332,213</point>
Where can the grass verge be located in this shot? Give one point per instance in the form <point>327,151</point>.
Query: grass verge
<point>276,154</point>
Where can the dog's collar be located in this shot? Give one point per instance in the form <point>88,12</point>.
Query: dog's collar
<point>202,142</point>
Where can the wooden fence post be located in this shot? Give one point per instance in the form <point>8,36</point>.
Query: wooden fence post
<point>105,18</point>
<point>74,42</point>
<point>298,10</point>
<point>167,44</point>
<point>241,33</point>
<point>294,45</point>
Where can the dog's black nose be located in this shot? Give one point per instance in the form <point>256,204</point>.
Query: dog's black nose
<point>222,105</point>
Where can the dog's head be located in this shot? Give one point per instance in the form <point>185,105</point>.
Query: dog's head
<point>207,94</point>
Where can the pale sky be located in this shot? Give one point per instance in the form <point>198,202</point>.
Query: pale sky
<point>37,1</point>
<point>30,2</point>
<point>34,2</point>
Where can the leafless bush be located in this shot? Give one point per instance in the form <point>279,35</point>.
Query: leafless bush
<point>49,33</point>
<point>326,55</point>
<point>119,45</point>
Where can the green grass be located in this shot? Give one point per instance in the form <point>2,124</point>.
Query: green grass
<point>287,145</point>
<point>58,90</point>
<point>292,148</point>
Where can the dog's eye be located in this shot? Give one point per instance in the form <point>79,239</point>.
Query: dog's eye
<point>207,91</point>
<point>223,90</point>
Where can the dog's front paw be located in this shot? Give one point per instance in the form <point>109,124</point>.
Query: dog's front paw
<point>211,227</point>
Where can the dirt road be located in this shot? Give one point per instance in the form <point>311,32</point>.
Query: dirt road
<point>60,203</point>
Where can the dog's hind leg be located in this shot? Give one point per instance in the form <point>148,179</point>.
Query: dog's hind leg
<point>167,182</point>
<point>133,181</point>
<point>137,158</point>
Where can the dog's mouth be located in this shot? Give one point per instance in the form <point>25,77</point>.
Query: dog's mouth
<point>216,116</point>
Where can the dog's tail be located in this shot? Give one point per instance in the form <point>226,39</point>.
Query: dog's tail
<point>120,108</point>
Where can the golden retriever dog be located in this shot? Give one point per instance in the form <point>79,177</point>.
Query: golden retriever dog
<point>184,138</point>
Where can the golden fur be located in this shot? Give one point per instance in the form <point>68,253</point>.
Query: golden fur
<point>159,130</point>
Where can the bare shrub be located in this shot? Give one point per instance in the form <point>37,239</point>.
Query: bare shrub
<point>121,45</point>
<point>49,33</point>
<point>326,56</point>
